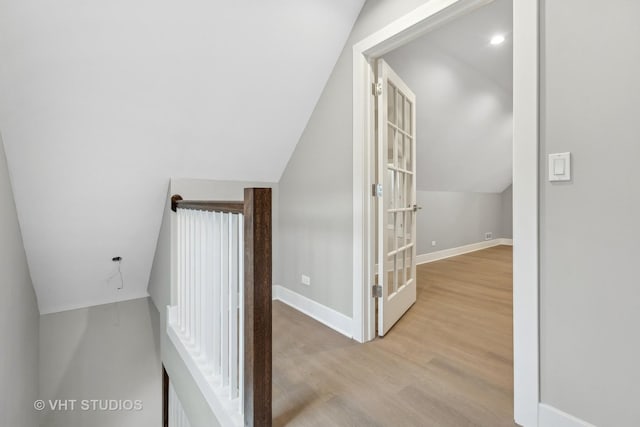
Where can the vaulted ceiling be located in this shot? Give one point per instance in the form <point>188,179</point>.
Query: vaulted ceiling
<point>102,101</point>
<point>463,88</point>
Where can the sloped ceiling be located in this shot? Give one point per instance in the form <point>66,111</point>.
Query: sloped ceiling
<point>463,88</point>
<point>102,101</point>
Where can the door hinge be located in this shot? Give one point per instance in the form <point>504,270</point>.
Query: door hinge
<point>377,89</point>
<point>376,190</point>
<point>376,291</point>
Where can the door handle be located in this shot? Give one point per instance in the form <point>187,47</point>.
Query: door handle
<point>416,208</point>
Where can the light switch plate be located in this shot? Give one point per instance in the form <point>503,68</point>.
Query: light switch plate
<point>559,167</point>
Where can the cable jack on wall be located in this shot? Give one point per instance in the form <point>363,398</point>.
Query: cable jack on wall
<point>118,259</point>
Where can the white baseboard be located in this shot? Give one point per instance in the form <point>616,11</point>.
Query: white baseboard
<point>548,416</point>
<point>448,253</point>
<point>95,303</point>
<point>323,314</point>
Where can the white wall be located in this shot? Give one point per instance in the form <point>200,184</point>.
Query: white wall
<point>589,232</point>
<point>101,101</point>
<point>457,219</point>
<point>464,127</point>
<point>316,190</point>
<point>110,351</point>
<point>464,113</point>
<point>18,317</point>
<point>195,406</point>
<point>316,194</point>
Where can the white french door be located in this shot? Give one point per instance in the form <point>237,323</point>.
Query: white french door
<point>396,225</point>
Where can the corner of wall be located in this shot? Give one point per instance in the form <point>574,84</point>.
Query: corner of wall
<point>19,315</point>
<point>159,279</point>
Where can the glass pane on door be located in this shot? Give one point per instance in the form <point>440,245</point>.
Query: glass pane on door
<point>407,121</point>
<point>400,109</point>
<point>408,155</point>
<point>391,103</point>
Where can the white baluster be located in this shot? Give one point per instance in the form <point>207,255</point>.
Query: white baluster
<point>233,306</point>
<point>207,294</point>
<point>179,266</point>
<point>198,300</point>
<point>241,312</point>
<point>187,269</point>
<point>217,257</point>
<point>210,298</point>
<point>192,279</point>
<point>187,276</point>
<point>206,287</point>
<point>177,415</point>
<point>225,300</point>
<point>212,292</point>
<point>203,284</point>
<point>183,262</point>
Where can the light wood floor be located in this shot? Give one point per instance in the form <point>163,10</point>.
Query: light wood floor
<point>447,362</point>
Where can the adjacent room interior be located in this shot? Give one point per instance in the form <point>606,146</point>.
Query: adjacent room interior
<point>449,357</point>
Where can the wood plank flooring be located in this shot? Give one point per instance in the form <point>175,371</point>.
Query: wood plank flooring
<point>447,362</point>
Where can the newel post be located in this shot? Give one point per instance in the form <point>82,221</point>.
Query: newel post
<point>257,303</point>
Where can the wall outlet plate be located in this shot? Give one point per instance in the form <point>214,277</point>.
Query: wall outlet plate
<point>433,243</point>
<point>488,235</point>
<point>305,280</point>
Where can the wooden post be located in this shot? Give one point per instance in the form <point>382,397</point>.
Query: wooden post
<point>165,398</point>
<point>257,307</point>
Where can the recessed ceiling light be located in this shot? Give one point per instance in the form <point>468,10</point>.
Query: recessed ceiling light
<point>497,39</point>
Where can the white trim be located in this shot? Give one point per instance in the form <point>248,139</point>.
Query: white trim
<point>525,180</point>
<point>552,417</point>
<point>526,333</point>
<point>323,314</point>
<point>216,395</point>
<point>363,172</point>
<point>460,250</point>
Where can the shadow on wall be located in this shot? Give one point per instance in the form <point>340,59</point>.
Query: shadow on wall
<point>108,353</point>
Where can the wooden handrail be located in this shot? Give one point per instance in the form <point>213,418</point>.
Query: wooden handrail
<point>206,205</point>
<point>174,202</point>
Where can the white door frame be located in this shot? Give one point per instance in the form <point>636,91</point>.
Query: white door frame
<point>525,180</point>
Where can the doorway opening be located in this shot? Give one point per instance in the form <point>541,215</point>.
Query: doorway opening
<point>451,152</point>
<point>380,240</point>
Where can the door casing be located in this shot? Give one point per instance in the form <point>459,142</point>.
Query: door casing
<point>525,180</point>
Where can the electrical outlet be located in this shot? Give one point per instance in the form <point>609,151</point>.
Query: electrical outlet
<point>488,236</point>
<point>305,280</point>
<point>433,243</point>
